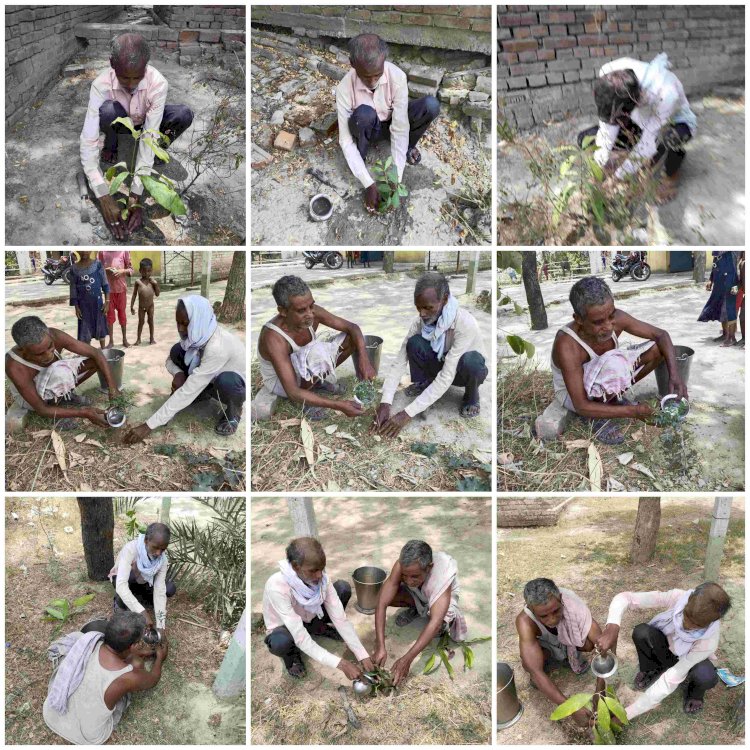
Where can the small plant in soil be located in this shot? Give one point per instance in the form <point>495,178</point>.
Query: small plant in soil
<point>608,715</point>
<point>382,682</point>
<point>391,191</point>
<point>133,527</point>
<point>61,610</point>
<point>444,651</point>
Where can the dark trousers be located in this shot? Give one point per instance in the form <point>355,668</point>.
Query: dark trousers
<point>227,387</point>
<point>654,656</point>
<point>280,642</point>
<point>175,121</point>
<point>671,141</point>
<point>366,128</point>
<point>142,592</point>
<point>425,366</point>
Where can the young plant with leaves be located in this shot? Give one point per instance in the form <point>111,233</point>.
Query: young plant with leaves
<point>61,610</point>
<point>583,174</point>
<point>441,654</point>
<point>390,189</point>
<point>607,713</point>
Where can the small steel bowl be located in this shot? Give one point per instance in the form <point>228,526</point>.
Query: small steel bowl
<point>115,417</point>
<point>360,687</point>
<point>672,400</point>
<point>321,207</point>
<point>604,665</point>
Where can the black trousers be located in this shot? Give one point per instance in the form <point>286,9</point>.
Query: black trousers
<point>175,121</point>
<point>654,656</point>
<point>280,642</point>
<point>672,142</point>
<point>425,366</point>
<point>142,592</point>
<point>227,387</point>
<point>367,128</point>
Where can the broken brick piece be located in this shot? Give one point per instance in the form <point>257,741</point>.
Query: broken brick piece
<point>285,141</point>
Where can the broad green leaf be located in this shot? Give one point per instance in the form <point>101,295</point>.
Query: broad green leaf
<point>588,140</point>
<point>529,348</point>
<point>124,214</point>
<point>110,173</point>
<point>160,152</point>
<point>611,692</point>
<point>164,195</point>
<point>402,191</point>
<point>570,706</point>
<point>602,716</point>
<point>388,162</point>
<point>596,170</point>
<point>567,165</point>
<point>430,665</point>
<point>597,737</point>
<point>597,207</point>
<point>447,663</point>
<point>515,343</point>
<point>468,657</point>
<point>115,184</point>
<point>128,123</point>
<point>56,613</point>
<point>616,708</point>
<point>383,188</point>
<point>83,600</point>
<point>122,201</point>
<point>395,200</point>
<point>517,309</point>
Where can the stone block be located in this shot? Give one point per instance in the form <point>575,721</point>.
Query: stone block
<point>331,71</point>
<point>326,124</point>
<point>73,70</point>
<point>551,423</point>
<point>453,96</point>
<point>483,85</point>
<point>259,158</point>
<point>306,137</point>
<point>476,96</point>
<point>285,141</point>
<point>418,90</point>
<point>263,406</point>
<point>169,35</point>
<point>427,76</point>
<point>15,419</point>
<point>482,110</point>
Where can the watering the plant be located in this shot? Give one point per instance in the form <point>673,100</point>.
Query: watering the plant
<point>373,105</point>
<point>208,362</point>
<point>301,603</point>
<point>44,382</point>
<point>130,94</point>
<point>297,363</point>
<point>676,647</point>
<point>643,111</point>
<point>442,347</point>
<point>591,371</point>
<point>94,672</point>
<point>424,584</point>
<point>556,628</point>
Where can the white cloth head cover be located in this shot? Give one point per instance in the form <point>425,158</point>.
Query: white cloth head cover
<point>435,333</point>
<point>201,326</point>
<point>310,598</point>
<point>670,623</point>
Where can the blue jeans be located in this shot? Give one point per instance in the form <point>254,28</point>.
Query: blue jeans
<point>175,121</point>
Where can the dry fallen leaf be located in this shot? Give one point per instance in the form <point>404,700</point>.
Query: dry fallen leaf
<point>595,469</point>
<point>574,444</point>
<point>80,437</point>
<point>643,469</point>
<point>289,422</point>
<point>504,458</point>
<point>95,443</point>
<point>41,433</point>
<point>308,441</point>
<point>331,429</point>
<point>59,446</point>
<point>625,458</point>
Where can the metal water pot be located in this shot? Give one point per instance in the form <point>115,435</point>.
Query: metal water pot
<point>368,580</point>
<point>604,665</point>
<point>509,708</point>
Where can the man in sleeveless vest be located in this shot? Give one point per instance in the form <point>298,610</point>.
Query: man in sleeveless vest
<point>373,104</point>
<point>296,363</point>
<point>555,627</point>
<point>591,371</point>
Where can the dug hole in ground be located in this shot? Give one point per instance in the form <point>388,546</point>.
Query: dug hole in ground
<point>44,561</point>
<point>429,709</point>
<point>588,552</point>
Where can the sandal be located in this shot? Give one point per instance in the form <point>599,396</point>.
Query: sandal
<point>315,413</point>
<point>607,432</point>
<point>335,389</point>
<point>66,424</point>
<point>644,680</point>
<point>227,427</point>
<point>696,710</point>
<point>415,389</point>
<point>413,157</point>
<point>405,616</point>
<point>297,671</point>
<point>466,413</point>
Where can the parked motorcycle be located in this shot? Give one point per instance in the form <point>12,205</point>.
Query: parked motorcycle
<point>633,264</point>
<point>330,258</point>
<point>56,268</point>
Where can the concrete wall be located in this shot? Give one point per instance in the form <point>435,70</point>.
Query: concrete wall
<point>548,56</point>
<point>202,16</point>
<point>456,27</point>
<point>39,39</point>
<point>515,512</point>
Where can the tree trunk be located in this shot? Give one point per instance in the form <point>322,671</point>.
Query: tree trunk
<point>233,307</point>
<point>388,261</point>
<point>533,291</point>
<point>646,530</point>
<point>699,266</point>
<point>166,504</point>
<point>97,532</point>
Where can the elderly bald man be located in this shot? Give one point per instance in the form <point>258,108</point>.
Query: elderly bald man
<point>132,88</point>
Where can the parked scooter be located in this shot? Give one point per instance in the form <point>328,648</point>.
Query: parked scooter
<point>633,264</point>
<point>330,258</point>
<point>56,268</point>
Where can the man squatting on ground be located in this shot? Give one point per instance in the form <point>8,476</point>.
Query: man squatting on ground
<point>132,88</point>
<point>299,601</point>
<point>591,372</point>
<point>94,674</point>
<point>426,583</point>
<point>296,363</point>
<point>555,627</point>
<point>642,109</point>
<point>44,382</point>
<point>373,105</point>
<point>441,348</point>
<point>675,647</point>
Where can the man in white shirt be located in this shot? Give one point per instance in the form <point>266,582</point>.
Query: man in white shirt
<point>642,109</point>
<point>675,647</point>
<point>373,104</point>
<point>299,601</point>
<point>441,348</point>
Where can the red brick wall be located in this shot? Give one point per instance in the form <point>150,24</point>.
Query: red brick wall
<point>549,55</point>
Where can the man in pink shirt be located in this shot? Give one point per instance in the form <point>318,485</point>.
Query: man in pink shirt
<point>132,88</point>
<point>118,265</point>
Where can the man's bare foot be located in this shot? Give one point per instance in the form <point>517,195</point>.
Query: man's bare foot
<point>729,342</point>
<point>109,157</point>
<point>137,342</point>
<point>666,191</point>
<point>125,344</point>
<point>153,341</point>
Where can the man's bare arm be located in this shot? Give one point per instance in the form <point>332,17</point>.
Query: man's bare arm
<point>532,658</point>
<point>26,388</point>
<point>341,324</point>
<point>438,610</point>
<point>387,592</point>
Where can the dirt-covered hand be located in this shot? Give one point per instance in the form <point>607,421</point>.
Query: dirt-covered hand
<point>111,215</point>
<point>400,670</point>
<point>643,411</point>
<point>95,416</point>
<point>135,216</point>
<point>367,664</point>
<point>709,286</point>
<point>395,424</point>
<point>162,650</point>
<point>608,638</point>
<point>380,656</point>
<point>113,394</point>
<point>352,671</point>
<point>372,198</point>
<point>350,408</point>
<point>136,434</point>
<point>381,417</point>
<point>79,314</point>
<point>582,717</point>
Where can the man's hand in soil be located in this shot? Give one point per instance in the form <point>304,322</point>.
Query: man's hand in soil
<point>111,213</point>
<point>352,671</point>
<point>367,664</point>
<point>372,198</point>
<point>644,411</point>
<point>380,656</point>
<point>162,650</point>
<point>113,394</point>
<point>367,371</point>
<point>135,215</point>
<point>582,717</point>
<point>381,417</point>
<point>79,314</point>
<point>400,670</point>
<point>136,434</point>
<point>108,157</point>
<point>95,416</point>
<point>351,408</point>
<point>607,641</point>
<point>395,424</point>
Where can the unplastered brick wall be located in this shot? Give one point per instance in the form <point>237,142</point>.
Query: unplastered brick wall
<point>39,39</point>
<point>456,27</point>
<point>548,56</point>
<point>202,16</point>
<point>513,512</point>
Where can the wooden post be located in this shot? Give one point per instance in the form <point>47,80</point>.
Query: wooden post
<point>166,504</point>
<point>230,679</point>
<point>471,278</point>
<point>388,261</point>
<point>716,536</point>
<point>205,272</point>
<point>302,512</point>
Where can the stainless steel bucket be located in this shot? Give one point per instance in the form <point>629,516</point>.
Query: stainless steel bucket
<point>509,708</point>
<point>368,580</point>
<point>684,356</point>
<point>115,359</point>
<point>374,345</point>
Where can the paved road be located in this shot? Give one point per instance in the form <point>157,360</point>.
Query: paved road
<point>30,291</point>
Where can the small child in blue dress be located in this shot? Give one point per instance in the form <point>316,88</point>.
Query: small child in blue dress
<point>88,281</point>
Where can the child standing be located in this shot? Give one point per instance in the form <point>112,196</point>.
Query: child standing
<point>88,281</point>
<point>146,288</point>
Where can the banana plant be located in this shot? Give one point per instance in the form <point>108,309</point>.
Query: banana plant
<point>440,654</point>
<point>607,707</point>
<point>390,189</point>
